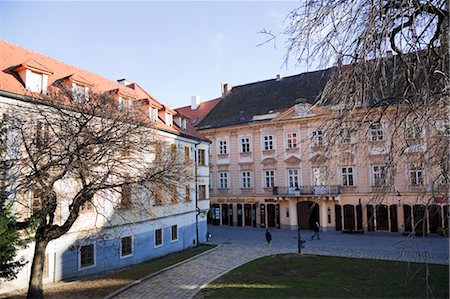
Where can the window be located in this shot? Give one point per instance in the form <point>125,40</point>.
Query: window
<point>153,114</point>
<point>320,176</point>
<point>269,180</point>
<point>223,180</point>
<point>80,93</point>
<point>169,119</point>
<point>246,177</point>
<point>87,206</point>
<point>268,143</point>
<point>158,237</point>
<point>35,82</point>
<point>187,193</point>
<point>347,176</point>
<point>37,200</point>
<point>125,196</point>
<point>291,139</point>
<point>414,131</point>
<point>376,131</point>
<point>201,157</point>
<point>416,174</point>
<point>174,194</point>
<point>202,192</point>
<point>223,147</point>
<point>187,154</point>
<point>345,136</point>
<point>293,178</point>
<point>183,124</point>
<point>87,255</point>
<point>245,145</point>
<point>174,235</point>
<point>317,138</point>
<point>42,134</point>
<point>125,104</point>
<point>379,175</point>
<point>126,246</point>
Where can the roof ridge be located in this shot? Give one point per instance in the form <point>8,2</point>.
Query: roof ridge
<point>182,107</point>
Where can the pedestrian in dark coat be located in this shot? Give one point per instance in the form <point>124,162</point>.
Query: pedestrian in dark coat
<point>269,238</point>
<point>316,230</point>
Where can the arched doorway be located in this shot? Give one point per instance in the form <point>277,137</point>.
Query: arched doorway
<point>393,212</point>
<point>435,219</point>
<point>407,218</point>
<point>349,217</point>
<point>271,215</point>
<point>308,213</point>
<point>382,217</point>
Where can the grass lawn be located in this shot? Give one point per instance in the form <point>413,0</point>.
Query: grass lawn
<point>293,276</point>
<point>104,285</point>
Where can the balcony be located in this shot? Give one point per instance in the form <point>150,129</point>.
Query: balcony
<point>306,190</point>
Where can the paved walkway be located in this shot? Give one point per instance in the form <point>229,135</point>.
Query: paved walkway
<point>241,245</point>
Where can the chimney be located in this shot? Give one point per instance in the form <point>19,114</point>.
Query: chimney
<point>389,54</point>
<point>279,77</point>
<point>195,102</point>
<point>124,82</point>
<point>226,89</point>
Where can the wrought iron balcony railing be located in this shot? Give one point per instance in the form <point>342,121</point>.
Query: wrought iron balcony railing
<point>306,190</point>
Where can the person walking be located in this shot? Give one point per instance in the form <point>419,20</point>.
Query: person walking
<point>269,238</point>
<point>316,230</point>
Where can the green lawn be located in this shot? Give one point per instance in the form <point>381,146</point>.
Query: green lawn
<point>103,285</point>
<point>293,276</point>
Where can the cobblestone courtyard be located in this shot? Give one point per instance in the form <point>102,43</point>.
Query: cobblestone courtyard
<point>239,245</point>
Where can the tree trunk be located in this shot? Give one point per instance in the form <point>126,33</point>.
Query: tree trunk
<point>37,267</point>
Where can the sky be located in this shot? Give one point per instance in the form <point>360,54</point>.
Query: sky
<point>172,49</point>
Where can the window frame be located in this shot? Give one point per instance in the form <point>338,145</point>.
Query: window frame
<point>268,142</point>
<point>222,180</point>
<point>156,239</point>
<point>347,176</point>
<point>201,189</point>
<point>269,179</point>
<point>292,176</point>
<point>223,147</point>
<point>246,179</point>
<point>94,257</point>
<point>379,176</point>
<point>131,238</point>
<point>201,157</point>
<point>317,138</point>
<point>416,169</point>
<point>377,133</point>
<point>245,145</point>
<point>292,140</point>
<point>171,233</point>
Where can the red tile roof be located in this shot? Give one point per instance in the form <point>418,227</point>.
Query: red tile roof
<point>14,57</point>
<point>198,114</point>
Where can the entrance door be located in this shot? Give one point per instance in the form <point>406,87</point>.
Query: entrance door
<point>435,218</point>
<point>308,213</point>
<point>370,219</point>
<point>420,222</point>
<point>271,215</point>
<point>359,220</point>
<point>262,215</point>
<point>216,214</point>
<point>247,215</point>
<point>230,214</point>
<point>393,212</point>
<point>407,218</point>
<point>349,217</point>
<point>338,214</point>
<point>382,217</point>
<point>239,214</point>
<point>225,216</point>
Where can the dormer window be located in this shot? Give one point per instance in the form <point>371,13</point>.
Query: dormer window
<point>125,104</point>
<point>80,93</point>
<point>169,119</point>
<point>36,82</point>
<point>183,124</point>
<point>34,75</point>
<point>153,113</point>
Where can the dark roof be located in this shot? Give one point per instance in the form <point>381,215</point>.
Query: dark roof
<point>245,101</point>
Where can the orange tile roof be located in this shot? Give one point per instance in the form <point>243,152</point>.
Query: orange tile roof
<point>202,110</point>
<point>14,57</point>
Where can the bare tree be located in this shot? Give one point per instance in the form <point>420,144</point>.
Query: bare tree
<point>71,153</point>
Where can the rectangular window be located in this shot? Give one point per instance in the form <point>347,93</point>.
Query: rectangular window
<point>293,178</point>
<point>174,236</point>
<point>153,114</point>
<point>291,139</point>
<point>87,255</point>
<point>42,134</point>
<point>126,246</point>
<point>268,142</point>
<point>379,175</point>
<point>125,196</point>
<point>202,192</point>
<point>201,157</point>
<point>187,154</point>
<point>414,131</point>
<point>187,193</point>
<point>347,176</point>
<point>317,138</point>
<point>246,179</point>
<point>376,131</point>
<point>320,176</point>
<point>245,145</point>
<point>223,147</point>
<point>269,176</point>
<point>80,93</point>
<point>87,206</point>
<point>125,104</point>
<point>416,174</point>
<point>35,82</point>
<point>223,180</point>
<point>345,136</point>
<point>158,237</point>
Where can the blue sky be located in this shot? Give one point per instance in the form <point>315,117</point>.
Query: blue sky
<point>173,49</point>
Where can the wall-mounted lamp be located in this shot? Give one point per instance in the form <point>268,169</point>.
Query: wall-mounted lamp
<point>398,197</point>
